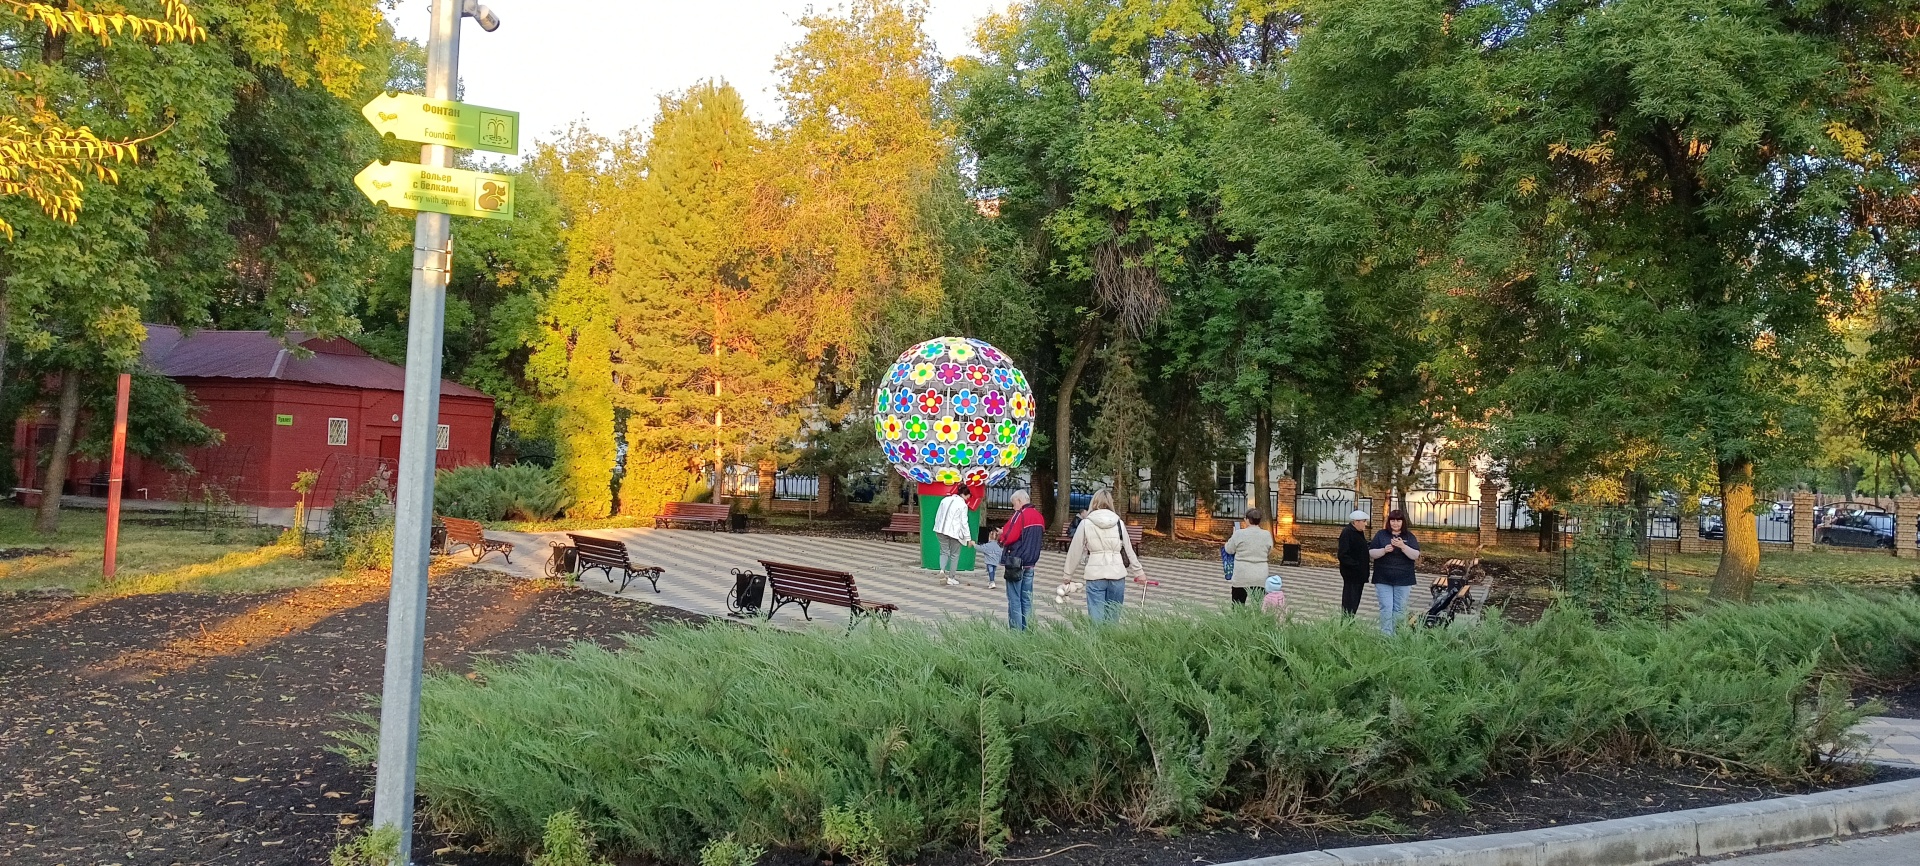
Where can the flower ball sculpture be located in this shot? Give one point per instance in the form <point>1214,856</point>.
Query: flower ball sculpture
<point>954,410</point>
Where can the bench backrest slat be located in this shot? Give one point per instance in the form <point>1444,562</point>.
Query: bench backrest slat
<point>462,530</point>
<point>818,584</point>
<point>696,510</point>
<point>599,550</point>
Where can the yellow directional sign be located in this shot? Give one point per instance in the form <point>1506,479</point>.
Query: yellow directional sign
<point>452,191</point>
<point>410,117</point>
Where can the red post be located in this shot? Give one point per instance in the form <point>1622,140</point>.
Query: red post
<point>114,476</point>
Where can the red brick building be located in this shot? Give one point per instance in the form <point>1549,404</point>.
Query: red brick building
<point>326,406</point>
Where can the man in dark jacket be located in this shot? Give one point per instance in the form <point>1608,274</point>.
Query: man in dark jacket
<point>1020,541</point>
<point>1354,562</point>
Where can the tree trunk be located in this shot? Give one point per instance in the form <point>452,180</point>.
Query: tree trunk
<point>1262,464</point>
<point>1063,425</point>
<point>1163,505</point>
<point>48,520</point>
<point>1740,552</point>
<point>4,313</point>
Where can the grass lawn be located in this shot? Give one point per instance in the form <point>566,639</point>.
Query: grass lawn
<point>1783,573</point>
<point>153,557</point>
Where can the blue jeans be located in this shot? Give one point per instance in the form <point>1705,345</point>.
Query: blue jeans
<point>1104,598</point>
<point>1019,598</point>
<point>1393,604</point>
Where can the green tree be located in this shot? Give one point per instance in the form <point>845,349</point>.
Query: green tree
<point>570,357</point>
<point>1632,219</point>
<point>1093,124</point>
<point>170,240</point>
<point>860,160</point>
<point>711,347</point>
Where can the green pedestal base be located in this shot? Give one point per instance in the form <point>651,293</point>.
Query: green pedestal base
<point>930,543</point>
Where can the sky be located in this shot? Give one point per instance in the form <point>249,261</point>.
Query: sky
<point>607,62</point>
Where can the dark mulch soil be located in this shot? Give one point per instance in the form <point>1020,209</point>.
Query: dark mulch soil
<point>160,730</point>
<point>225,760</point>
<point>1902,701</point>
<point>1589,794</point>
<point>23,552</point>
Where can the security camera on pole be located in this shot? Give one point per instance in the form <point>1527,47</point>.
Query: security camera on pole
<point>437,190</point>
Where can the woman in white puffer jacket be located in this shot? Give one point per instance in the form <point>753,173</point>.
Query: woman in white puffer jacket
<point>1102,551</point>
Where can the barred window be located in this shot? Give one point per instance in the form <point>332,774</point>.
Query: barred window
<point>336,431</point>
<point>443,438</point>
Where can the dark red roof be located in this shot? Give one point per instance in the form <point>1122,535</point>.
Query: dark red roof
<point>261,355</point>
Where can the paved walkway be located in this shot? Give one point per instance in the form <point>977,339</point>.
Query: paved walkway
<point>1895,741</point>
<point>1900,849</point>
<point>698,575</point>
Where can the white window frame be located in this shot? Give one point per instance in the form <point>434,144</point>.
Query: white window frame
<point>340,426</point>
<point>443,438</point>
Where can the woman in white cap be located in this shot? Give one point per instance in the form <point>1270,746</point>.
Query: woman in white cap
<point>1355,564</point>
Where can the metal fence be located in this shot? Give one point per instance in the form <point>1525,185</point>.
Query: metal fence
<point>1775,528</point>
<point>744,481</point>
<point>1329,505</point>
<point>1445,513</point>
<point>1515,515</point>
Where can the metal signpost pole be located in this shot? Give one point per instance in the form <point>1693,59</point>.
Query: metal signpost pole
<point>413,501</point>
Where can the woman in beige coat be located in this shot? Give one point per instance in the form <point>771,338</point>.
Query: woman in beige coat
<point>1250,545</point>
<point>1103,552</point>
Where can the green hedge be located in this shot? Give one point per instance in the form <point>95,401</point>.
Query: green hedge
<point>943,736</point>
<point>521,492</point>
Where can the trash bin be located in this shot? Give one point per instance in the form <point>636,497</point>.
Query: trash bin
<point>738,521</point>
<point>1290,553</point>
<point>562,559</point>
<point>438,538</point>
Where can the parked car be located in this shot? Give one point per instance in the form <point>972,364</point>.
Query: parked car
<point>1859,528</point>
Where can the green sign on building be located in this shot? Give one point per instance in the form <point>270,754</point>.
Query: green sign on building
<point>409,117</point>
<point>452,191</point>
<point>283,420</point>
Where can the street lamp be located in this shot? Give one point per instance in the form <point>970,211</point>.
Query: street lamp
<point>413,498</point>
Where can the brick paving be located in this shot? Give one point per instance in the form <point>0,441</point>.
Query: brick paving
<point>1895,741</point>
<point>699,573</point>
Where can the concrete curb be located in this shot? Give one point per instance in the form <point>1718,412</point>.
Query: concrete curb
<point>1650,839</point>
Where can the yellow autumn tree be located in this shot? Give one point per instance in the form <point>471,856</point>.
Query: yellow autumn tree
<point>45,159</point>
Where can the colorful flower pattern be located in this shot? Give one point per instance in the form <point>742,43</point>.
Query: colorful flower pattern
<point>954,409</point>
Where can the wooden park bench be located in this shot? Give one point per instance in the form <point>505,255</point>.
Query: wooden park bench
<point>1065,538</point>
<point>804,585</point>
<point>707,514</point>
<point>900,525</point>
<point>609,556</point>
<point>469,533</point>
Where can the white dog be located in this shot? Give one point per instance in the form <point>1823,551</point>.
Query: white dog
<point>1071,587</point>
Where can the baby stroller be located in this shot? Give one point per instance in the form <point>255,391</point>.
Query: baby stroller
<point>1460,590</point>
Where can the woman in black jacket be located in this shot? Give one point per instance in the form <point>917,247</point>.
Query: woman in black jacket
<point>1355,564</point>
